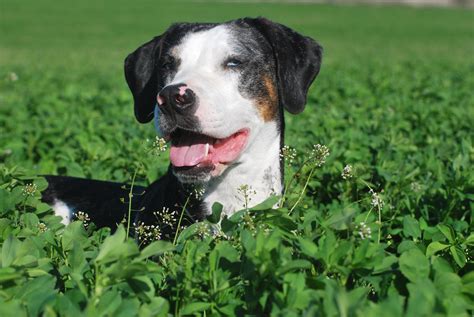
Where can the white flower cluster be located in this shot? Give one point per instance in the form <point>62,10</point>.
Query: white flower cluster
<point>246,191</point>
<point>377,201</point>
<point>318,154</point>
<point>347,172</point>
<point>29,189</point>
<point>147,233</point>
<point>166,217</point>
<point>364,231</point>
<point>288,154</point>
<point>158,146</point>
<point>42,227</point>
<point>12,76</point>
<point>84,217</point>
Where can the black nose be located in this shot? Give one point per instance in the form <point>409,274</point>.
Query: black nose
<point>176,97</point>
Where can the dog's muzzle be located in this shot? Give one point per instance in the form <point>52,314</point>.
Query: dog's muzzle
<point>176,98</point>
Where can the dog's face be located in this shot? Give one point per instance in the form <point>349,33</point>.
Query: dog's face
<point>217,85</point>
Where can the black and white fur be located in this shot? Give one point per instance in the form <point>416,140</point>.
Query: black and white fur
<point>242,75</point>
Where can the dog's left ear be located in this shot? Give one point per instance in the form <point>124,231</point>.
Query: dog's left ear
<point>298,61</point>
<point>142,80</point>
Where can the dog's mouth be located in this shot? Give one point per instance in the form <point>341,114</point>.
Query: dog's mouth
<point>195,151</point>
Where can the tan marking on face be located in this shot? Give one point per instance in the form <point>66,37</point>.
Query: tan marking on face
<point>268,104</point>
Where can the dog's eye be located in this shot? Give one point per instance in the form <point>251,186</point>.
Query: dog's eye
<point>233,63</point>
<point>168,63</point>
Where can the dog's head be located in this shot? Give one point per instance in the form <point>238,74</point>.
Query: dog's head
<point>217,85</point>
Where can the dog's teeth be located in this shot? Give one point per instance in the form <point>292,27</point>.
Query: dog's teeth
<point>207,149</point>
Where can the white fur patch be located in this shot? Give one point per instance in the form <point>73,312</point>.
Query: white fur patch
<point>62,210</point>
<point>258,168</point>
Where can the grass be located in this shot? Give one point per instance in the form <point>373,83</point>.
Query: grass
<point>394,101</point>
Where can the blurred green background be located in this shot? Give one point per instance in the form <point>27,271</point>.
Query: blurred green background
<point>99,34</point>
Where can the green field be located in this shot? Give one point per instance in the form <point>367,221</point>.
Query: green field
<point>394,100</point>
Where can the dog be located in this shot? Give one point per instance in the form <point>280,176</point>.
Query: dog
<point>217,92</point>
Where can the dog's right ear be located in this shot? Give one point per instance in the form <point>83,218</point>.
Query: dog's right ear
<point>140,67</point>
<point>298,61</point>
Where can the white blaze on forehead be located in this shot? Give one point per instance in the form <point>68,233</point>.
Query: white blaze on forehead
<point>204,50</point>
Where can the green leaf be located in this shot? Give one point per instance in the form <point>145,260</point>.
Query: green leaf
<point>9,273</point>
<point>468,283</point>
<point>74,232</point>
<point>267,204</point>
<point>308,247</point>
<point>155,248</point>
<point>157,307</point>
<point>12,308</point>
<point>194,308</point>
<point>422,299</point>
<point>434,247</point>
<point>9,250</point>
<point>386,264</point>
<point>440,264</point>
<point>227,251</point>
<point>414,265</point>
<point>448,232</point>
<point>470,240</point>
<point>448,284</point>
<point>340,219</point>
<point>411,227</point>
<point>76,258</point>
<point>293,265</point>
<point>7,202</point>
<point>108,303</point>
<point>115,247</point>
<point>37,292</point>
<point>30,220</point>
<point>215,216</point>
<point>458,255</point>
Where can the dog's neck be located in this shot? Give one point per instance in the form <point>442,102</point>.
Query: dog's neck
<point>256,177</point>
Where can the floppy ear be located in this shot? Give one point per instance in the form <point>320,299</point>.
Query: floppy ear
<point>298,60</point>
<point>140,74</point>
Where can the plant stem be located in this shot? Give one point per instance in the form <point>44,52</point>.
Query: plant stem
<point>130,196</point>
<point>180,219</point>
<point>304,189</point>
<point>293,177</point>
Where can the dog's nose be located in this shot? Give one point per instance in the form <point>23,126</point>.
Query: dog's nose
<point>178,97</point>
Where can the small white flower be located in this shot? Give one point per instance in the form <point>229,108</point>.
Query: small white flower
<point>159,146</point>
<point>29,189</point>
<point>84,217</point>
<point>246,191</point>
<point>12,76</point>
<point>318,154</point>
<point>202,230</point>
<point>42,227</point>
<point>288,154</point>
<point>415,187</point>
<point>147,233</point>
<point>347,172</point>
<point>377,201</point>
<point>165,216</point>
<point>364,231</point>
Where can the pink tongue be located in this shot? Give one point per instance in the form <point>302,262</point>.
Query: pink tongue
<point>187,155</point>
<point>189,150</point>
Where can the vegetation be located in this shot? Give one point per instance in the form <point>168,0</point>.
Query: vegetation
<point>377,220</point>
